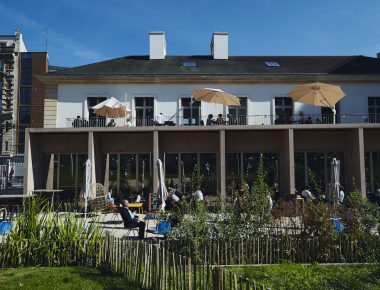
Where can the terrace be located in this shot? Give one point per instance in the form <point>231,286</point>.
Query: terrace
<point>176,120</point>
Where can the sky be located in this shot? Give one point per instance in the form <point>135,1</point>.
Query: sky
<point>87,31</point>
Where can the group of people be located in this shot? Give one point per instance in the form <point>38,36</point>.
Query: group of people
<point>211,121</point>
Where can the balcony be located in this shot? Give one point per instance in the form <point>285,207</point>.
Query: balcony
<point>7,49</point>
<point>257,120</point>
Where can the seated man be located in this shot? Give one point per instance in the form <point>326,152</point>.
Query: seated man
<point>109,198</point>
<point>111,123</point>
<point>129,219</point>
<point>159,120</point>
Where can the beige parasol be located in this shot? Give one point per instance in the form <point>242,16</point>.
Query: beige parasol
<point>317,94</point>
<point>110,108</point>
<point>215,96</point>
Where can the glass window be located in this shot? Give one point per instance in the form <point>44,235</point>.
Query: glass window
<point>128,182</point>
<point>238,114</point>
<point>171,168</point>
<point>24,115</point>
<point>207,168</point>
<point>374,109</point>
<point>191,111</point>
<point>25,96</point>
<point>283,110</point>
<point>26,69</point>
<point>144,111</point>
<point>95,120</point>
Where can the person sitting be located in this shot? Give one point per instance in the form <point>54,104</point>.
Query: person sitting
<point>306,194</point>
<point>159,120</point>
<point>77,122</point>
<point>220,120</point>
<point>130,221</point>
<point>210,121</point>
<point>128,123</point>
<point>302,119</point>
<point>109,198</point>
<point>111,123</point>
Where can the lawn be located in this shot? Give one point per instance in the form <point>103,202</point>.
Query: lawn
<point>291,276</point>
<point>69,278</point>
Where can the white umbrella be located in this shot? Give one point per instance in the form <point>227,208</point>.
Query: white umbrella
<point>162,191</point>
<point>87,185</point>
<point>334,181</point>
<point>110,108</point>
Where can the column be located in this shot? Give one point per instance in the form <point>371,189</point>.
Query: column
<point>287,164</point>
<point>91,156</point>
<point>222,165</point>
<point>28,166</point>
<point>357,167</point>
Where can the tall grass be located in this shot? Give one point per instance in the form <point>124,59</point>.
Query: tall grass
<point>44,236</point>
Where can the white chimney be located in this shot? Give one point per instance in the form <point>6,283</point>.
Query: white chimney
<point>219,45</point>
<point>157,45</point>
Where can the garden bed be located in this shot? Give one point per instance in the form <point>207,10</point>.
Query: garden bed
<point>316,276</point>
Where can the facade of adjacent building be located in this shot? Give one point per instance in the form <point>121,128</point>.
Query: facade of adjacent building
<point>124,157</point>
<point>22,96</point>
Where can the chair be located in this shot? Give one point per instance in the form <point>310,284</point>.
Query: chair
<point>132,230</point>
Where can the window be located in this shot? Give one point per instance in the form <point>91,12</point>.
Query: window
<point>25,96</point>
<point>95,120</point>
<point>189,64</point>
<point>144,111</point>
<point>272,64</point>
<point>238,115</point>
<point>283,107</point>
<point>24,117</point>
<point>374,109</point>
<point>26,69</point>
<point>191,111</point>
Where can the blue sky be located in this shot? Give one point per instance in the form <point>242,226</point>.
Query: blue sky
<point>84,31</point>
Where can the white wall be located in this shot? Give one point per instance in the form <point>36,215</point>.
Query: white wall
<point>72,98</point>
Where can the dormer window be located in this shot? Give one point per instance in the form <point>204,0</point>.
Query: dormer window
<point>272,64</point>
<point>189,64</point>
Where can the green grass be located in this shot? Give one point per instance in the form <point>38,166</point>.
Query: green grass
<point>292,276</point>
<point>70,278</point>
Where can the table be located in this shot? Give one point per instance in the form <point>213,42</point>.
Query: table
<point>139,206</point>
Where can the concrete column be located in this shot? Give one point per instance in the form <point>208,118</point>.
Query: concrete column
<point>357,161</point>
<point>287,175</point>
<point>155,157</point>
<point>107,174</point>
<point>91,156</point>
<point>28,168</point>
<point>50,177</point>
<point>222,165</point>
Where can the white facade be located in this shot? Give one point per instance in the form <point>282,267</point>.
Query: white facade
<point>72,99</point>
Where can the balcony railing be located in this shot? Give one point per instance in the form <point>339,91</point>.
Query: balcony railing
<point>229,121</point>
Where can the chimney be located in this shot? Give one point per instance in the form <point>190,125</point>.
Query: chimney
<point>219,45</point>
<point>157,45</point>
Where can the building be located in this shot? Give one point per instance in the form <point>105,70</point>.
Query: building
<point>11,47</point>
<point>124,157</point>
<point>22,106</point>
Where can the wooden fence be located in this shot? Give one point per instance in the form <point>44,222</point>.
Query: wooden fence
<point>279,249</point>
<point>151,266</point>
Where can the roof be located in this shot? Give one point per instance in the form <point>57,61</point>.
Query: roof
<point>235,65</point>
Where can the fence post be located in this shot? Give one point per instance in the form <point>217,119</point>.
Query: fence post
<point>190,274</point>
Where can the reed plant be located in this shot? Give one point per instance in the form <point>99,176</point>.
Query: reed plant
<point>47,237</point>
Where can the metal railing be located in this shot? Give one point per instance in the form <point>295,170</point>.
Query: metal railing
<point>228,121</point>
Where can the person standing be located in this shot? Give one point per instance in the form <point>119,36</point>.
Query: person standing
<point>341,194</point>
